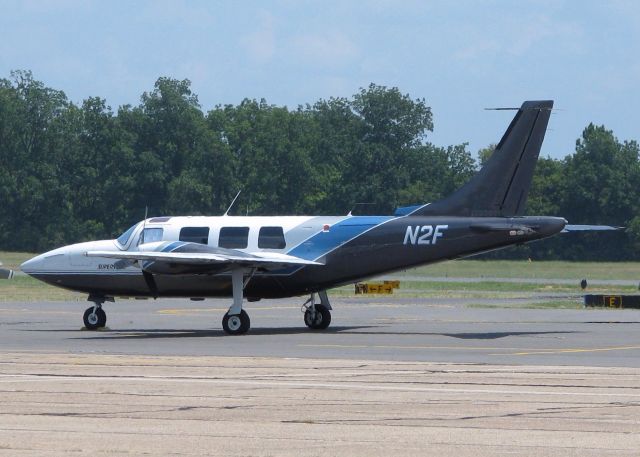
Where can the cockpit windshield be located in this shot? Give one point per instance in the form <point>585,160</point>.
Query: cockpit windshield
<point>124,238</point>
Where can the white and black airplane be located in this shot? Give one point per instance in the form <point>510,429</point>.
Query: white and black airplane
<point>274,257</point>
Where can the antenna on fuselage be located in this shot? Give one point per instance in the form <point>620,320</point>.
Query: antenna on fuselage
<point>144,224</point>
<point>226,213</point>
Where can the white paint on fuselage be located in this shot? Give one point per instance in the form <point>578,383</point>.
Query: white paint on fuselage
<point>72,258</point>
<point>171,228</point>
<point>296,228</point>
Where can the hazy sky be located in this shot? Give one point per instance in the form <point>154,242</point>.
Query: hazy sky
<point>460,56</point>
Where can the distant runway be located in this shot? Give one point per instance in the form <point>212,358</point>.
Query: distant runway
<point>363,328</point>
<point>393,376</point>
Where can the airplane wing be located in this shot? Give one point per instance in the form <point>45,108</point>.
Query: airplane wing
<point>257,259</point>
<point>193,258</point>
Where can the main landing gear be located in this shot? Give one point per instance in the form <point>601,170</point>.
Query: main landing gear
<point>94,316</point>
<point>236,321</point>
<point>317,316</point>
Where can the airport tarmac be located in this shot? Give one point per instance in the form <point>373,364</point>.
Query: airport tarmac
<point>362,328</point>
<point>393,376</point>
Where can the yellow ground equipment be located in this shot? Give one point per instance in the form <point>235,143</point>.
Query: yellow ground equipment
<point>385,287</point>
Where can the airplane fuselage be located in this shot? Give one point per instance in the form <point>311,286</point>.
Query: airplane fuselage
<point>348,249</point>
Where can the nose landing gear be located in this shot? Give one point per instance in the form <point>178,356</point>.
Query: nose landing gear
<point>94,316</point>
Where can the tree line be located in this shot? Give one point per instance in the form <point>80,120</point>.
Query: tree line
<point>72,172</point>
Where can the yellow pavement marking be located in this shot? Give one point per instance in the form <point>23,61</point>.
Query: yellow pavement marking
<point>183,311</point>
<point>385,346</point>
<point>33,311</point>
<point>520,351</point>
<point>574,350</point>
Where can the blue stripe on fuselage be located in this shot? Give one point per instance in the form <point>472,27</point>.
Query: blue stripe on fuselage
<point>324,242</point>
<point>172,246</point>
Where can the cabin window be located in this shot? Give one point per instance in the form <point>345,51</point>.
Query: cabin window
<point>149,235</point>
<point>271,238</point>
<point>234,237</point>
<point>195,234</point>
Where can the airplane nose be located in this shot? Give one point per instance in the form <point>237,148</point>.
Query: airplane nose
<point>64,258</point>
<point>33,265</point>
<point>43,262</point>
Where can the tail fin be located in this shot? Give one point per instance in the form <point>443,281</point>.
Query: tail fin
<point>501,187</point>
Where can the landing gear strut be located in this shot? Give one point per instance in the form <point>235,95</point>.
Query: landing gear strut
<point>94,316</point>
<point>317,316</point>
<point>236,321</point>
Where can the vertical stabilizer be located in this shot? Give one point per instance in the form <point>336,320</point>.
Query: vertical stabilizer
<point>501,187</point>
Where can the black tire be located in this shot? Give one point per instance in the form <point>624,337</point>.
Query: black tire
<point>237,324</point>
<point>322,318</point>
<point>94,321</point>
<point>102,318</point>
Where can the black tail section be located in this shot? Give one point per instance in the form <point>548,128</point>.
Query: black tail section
<point>501,187</point>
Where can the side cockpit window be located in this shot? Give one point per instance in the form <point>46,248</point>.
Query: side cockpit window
<point>271,238</point>
<point>234,237</point>
<point>149,235</point>
<point>195,234</point>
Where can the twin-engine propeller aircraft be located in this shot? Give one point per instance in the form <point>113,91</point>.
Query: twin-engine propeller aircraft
<point>274,257</point>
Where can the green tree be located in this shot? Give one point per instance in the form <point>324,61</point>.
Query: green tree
<point>31,189</point>
<point>601,176</point>
<point>485,153</point>
<point>391,118</point>
<point>546,188</point>
<point>269,156</point>
<point>389,125</point>
<point>599,187</point>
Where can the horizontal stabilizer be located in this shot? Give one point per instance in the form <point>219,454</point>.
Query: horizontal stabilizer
<point>590,228</point>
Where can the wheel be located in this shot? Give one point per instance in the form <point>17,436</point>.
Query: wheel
<point>94,320</point>
<point>322,318</point>
<point>236,324</point>
<point>102,318</point>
